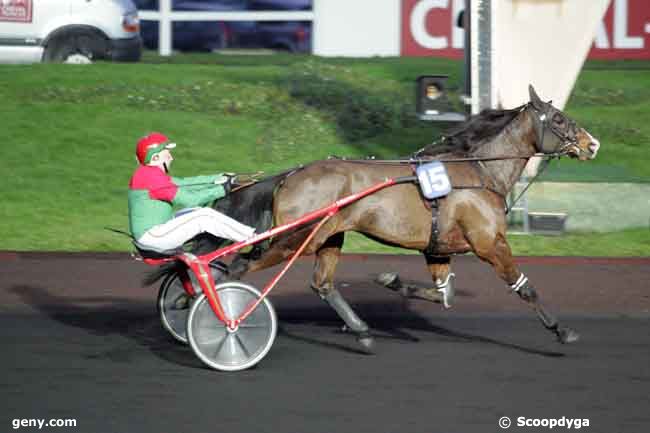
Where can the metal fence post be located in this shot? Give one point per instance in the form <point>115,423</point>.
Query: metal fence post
<point>165,28</point>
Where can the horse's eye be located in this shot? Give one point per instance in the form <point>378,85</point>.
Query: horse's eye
<point>558,119</point>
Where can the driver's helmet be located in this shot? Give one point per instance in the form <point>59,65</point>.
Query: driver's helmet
<point>151,144</point>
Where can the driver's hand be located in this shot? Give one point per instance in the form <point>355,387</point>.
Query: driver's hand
<point>221,180</point>
<point>224,177</point>
<point>225,181</point>
<point>227,186</point>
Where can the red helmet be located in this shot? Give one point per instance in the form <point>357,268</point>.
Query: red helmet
<point>151,144</point>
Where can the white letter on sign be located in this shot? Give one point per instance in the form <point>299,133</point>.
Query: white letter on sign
<point>419,24</point>
<point>621,39</point>
<point>602,40</point>
<point>457,34</point>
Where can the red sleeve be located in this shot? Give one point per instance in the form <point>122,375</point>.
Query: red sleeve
<point>159,185</point>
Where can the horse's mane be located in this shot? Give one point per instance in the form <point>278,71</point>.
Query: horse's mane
<point>472,134</point>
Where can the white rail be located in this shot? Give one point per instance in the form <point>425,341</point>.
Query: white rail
<point>165,16</point>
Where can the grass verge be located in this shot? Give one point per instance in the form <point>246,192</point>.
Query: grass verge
<point>69,131</point>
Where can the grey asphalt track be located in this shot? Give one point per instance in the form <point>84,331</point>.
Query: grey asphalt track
<point>80,339</point>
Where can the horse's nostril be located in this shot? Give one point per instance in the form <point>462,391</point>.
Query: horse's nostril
<point>593,148</point>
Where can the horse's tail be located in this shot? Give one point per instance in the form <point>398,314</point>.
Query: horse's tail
<point>159,273</point>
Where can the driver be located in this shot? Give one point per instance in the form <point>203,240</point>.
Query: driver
<point>152,193</point>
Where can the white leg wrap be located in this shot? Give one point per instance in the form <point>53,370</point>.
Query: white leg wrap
<point>446,289</point>
<point>519,283</point>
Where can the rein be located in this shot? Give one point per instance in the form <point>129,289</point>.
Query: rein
<point>546,163</point>
<point>546,156</point>
<point>372,160</point>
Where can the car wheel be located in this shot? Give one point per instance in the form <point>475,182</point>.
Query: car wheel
<point>284,48</point>
<point>79,46</point>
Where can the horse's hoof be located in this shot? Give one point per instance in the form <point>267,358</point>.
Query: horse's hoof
<point>367,344</point>
<point>182,302</point>
<point>567,335</point>
<point>390,280</point>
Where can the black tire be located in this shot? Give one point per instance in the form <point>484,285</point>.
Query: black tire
<point>174,322</point>
<point>83,42</point>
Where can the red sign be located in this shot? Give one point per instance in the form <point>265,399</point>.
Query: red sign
<point>16,11</point>
<point>429,29</point>
<point>625,31</point>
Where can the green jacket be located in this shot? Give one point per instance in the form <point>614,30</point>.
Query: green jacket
<point>153,195</point>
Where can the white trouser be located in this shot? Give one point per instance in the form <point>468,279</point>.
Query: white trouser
<point>175,232</point>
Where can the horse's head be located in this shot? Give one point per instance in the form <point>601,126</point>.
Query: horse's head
<point>557,133</point>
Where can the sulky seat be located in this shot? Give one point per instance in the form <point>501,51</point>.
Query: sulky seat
<point>148,253</point>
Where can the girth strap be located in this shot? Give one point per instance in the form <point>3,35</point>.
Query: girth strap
<point>432,247</point>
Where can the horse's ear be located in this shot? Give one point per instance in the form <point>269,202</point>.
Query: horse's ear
<point>534,99</point>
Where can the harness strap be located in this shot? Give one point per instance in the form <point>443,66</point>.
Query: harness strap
<point>432,247</point>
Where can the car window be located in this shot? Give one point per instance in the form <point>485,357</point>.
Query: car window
<point>187,4</point>
<point>280,5</point>
<point>146,4</point>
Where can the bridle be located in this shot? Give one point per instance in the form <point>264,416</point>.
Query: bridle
<point>564,130</point>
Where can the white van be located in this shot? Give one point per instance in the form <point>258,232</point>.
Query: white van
<point>69,31</point>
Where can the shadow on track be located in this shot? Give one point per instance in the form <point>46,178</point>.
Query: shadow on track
<point>105,316</point>
<point>139,322</point>
<point>389,326</point>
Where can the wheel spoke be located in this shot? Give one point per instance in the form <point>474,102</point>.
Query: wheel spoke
<point>242,345</point>
<point>220,346</point>
<point>208,328</point>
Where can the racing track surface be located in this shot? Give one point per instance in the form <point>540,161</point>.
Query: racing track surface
<point>80,339</point>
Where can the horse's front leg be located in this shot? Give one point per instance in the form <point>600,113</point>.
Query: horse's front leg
<point>497,252</point>
<point>327,257</point>
<point>440,268</point>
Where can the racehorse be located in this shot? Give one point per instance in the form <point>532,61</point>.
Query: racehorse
<point>484,158</point>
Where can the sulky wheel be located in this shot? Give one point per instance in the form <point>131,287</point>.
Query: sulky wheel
<point>174,307</point>
<point>226,350</point>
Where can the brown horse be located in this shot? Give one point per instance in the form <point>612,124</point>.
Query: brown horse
<point>483,158</point>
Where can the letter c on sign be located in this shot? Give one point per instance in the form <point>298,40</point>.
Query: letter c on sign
<point>419,27</point>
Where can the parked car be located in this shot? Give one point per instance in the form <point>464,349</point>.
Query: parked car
<point>292,36</point>
<point>68,31</point>
<point>192,35</point>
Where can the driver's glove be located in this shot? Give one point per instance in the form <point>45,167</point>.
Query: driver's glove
<point>225,180</point>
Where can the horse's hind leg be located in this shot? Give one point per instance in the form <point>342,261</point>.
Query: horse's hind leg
<point>441,293</point>
<point>497,252</point>
<point>327,257</point>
